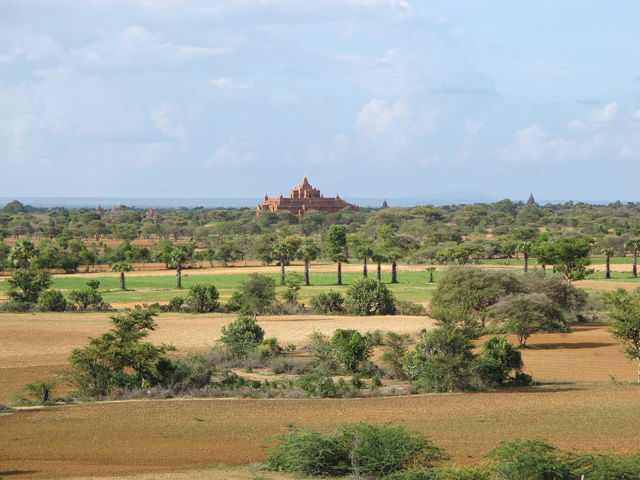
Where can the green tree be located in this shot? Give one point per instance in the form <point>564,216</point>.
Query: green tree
<point>572,257</point>
<point>624,321</point>
<point>379,256</point>
<point>308,252</point>
<point>117,358</point>
<point>122,267</point>
<point>27,285</point>
<point>366,296</point>
<point>21,253</point>
<point>52,301</point>
<point>430,270</point>
<point>526,314</point>
<point>335,245</point>
<point>242,336</point>
<point>97,229</point>
<point>350,348</point>
<point>394,352</point>
<point>634,245</point>
<point>14,207</point>
<point>393,255</point>
<point>363,249</point>
<point>608,252</point>
<point>226,253</point>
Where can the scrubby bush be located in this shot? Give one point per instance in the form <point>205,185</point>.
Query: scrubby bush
<point>89,297</point>
<point>294,366</point>
<point>52,301</point>
<point>394,353</point>
<point>202,299</point>
<point>367,296</point>
<point>530,459</point>
<point>175,304</point>
<point>322,353</point>
<point>496,362</point>
<point>242,336</point>
<point>350,348</point>
<point>25,286</point>
<point>363,450</point>
<point>37,393</point>
<point>327,302</point>
<point>405,307</point>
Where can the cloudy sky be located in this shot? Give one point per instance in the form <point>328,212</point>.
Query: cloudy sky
<point>369,98</point>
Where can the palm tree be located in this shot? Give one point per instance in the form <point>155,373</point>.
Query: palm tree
<point>378,256</point>
<point>525,247</point>
<point>430,270</point>
<point>307,252</point>
<point>284,251</point>
<point>394,254</point>
<point>364,251</point>
<point>608,252</point>
<point>634,244</point>
<point>178,258</point>
<point>122,267</point>
<point>22,252</point>
<point>336,246</point>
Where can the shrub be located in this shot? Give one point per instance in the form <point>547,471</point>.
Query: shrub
<point>529,459</point>
<point>394,353</point>
<point>363,450</point>
<point>203,299</point>
<point>175,304</point>
<point>405,307</point>
<point>327,302</point>
<point>89,297</point>
<point>258,294</point>
<point>350,348</point>
<point>497,360</point>
<point>294,366</point>
<point>52,301</point>
<point>367,296</point>
<point>235,302</point>
<point>442,361</point>
<point>321,351</point>
<point>242,336</point>
<point>38,393</point>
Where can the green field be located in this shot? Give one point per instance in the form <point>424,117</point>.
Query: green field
<point>413,285</point>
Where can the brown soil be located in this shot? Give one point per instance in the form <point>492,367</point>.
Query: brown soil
<point>161,436</point>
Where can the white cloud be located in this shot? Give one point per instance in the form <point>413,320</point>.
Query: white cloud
<point>231,153</point>
<point>532,144</point>
<point>607,114</point>
<point>228,83</point>
<point>165,119</point>
<point>384,124</point>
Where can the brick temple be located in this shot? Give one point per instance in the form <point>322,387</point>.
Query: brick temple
<point>304,198</point>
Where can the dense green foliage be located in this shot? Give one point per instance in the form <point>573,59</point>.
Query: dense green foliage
<point>367,296</point>
<point>242,336</point>
<point>363,449</point>
<point>624,322</point>
<point>27,285</point>
<point>202,298</point>
<point>350,348</point>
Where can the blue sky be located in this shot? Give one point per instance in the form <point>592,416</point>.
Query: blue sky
<point>369,98</point>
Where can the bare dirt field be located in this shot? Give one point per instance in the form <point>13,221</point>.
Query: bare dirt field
<point>131,437</point>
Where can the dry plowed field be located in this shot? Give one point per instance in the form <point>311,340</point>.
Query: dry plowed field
<point>577,404</point>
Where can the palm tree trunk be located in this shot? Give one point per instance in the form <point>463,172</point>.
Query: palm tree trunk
<point>179,276</point>
<point>526,262</point>
<point>430,277</point>
<point>635,263</point>
<point>608,274</point>
<point>282,260</point>
<point>379,272</point>
<point>364,267</point>
<point>122,281</point>
<point>394,272</point>
<point>339,273</point>
<point>306,273</point>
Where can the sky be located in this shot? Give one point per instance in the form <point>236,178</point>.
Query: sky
<point>368,98</point>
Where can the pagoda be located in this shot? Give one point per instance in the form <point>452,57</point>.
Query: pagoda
<point>532,201</point>
<point>304,198</point>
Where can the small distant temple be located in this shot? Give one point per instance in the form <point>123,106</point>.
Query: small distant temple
<point>149,213</point>
<point>304,198</point>
<point>532,201</point>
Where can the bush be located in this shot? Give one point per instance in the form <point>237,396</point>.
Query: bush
<point>235,302</point>
<point>258,294</point>
<point>175,304</point>
<point>497,360</point>
<point>242,336</point>
<point>530,460</point>
<point>294,366</point>
<point>16,307</point>
<point>38,393</point>
<point>327,302</point>
<point>367,296</point>
<point>89,297</point>
<point>203,299</point>
<point>52,301</point>
<point>25,286</point>
<point>405,307</point>
<point>350,348</point>
<point>363,450</point>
